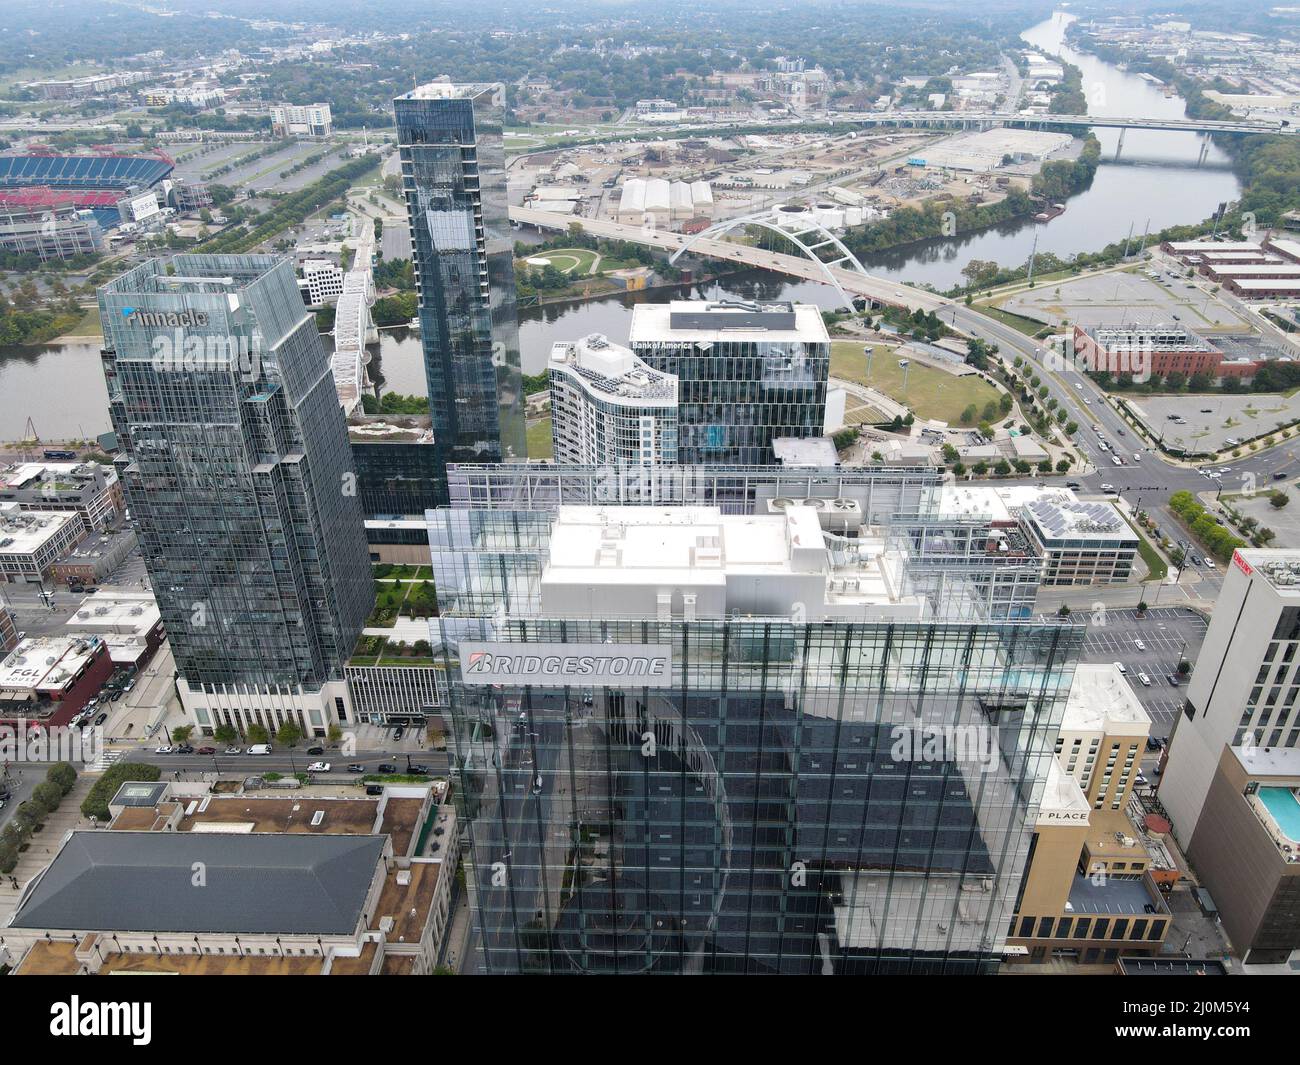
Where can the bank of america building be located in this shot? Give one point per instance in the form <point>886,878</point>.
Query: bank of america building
<point>746,373</point>
<point>696,741</point>
<point>235,465</point>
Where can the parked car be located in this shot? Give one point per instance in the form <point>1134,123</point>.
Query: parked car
<point>356,767</point>
<point>417,769</point>
<point>234,750</point>
<point>206,750</point>
<point>101,718</point>
<point>374,789</point>
<point>386,767</point>
<point>1144,680</point>
<point>1123,672</point>
<point>164,749</point>
<point>184,748</point>
<point>1154,743</point>
<point>1209,563</point>
<point>319,767</point>
<point>1139,644</point>
<point>316,750</point>
<point>399,732</point>
<point>1173,679</point>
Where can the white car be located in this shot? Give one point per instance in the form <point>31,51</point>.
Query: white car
<point>1087,403</point>
<point>1108,488</point>
<point>319,767</point>
<point>1144,680</point>
<point>1209,562</point>
<point>1117,460</point>
<point>1078,385</point>
<point>1122,671</point>
<point>162,750</point>
<point>1139,644</point>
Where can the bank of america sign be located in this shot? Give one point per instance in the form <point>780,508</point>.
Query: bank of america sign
<point>560,665</point>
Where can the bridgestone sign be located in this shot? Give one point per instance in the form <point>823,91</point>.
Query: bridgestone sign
<point>559,665</point>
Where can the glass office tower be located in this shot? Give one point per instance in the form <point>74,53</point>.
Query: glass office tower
<point>237,472</point>
<point>747,373</point>
<point>763,797</point>
<point>453,173</point>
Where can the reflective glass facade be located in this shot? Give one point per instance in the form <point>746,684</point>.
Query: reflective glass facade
<point>737,389</point>
<point>765,811</point>
<point>236,468</point>
<point>453,174</point>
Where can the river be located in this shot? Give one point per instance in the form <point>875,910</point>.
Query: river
<point>1154,182</point>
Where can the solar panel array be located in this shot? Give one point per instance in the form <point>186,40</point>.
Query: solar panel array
<point>1077,518</point>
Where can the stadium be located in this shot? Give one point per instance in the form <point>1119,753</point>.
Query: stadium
<point>95,181</point>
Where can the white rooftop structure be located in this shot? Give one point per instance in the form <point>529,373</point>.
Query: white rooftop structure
<point>614,371</point>
<point>125,613</point>
<point>1102,700</point>
<point>815,451</point>
<point>696,562</point>
<point>25,532</point>
<point>46,663</point>
<point>695,320</point>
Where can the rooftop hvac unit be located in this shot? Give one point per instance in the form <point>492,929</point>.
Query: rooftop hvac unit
<point>403,877</point>
<point>780,503</point>
<point>815,503</point>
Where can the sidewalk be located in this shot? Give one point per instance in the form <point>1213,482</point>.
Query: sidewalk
<point>45,844</point>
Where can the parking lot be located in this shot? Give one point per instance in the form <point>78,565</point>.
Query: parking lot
<point>1209,422</point>
<point>1118,297</point>
<point>1169,634</point>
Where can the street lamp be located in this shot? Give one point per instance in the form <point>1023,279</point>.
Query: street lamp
<point>904,364</point>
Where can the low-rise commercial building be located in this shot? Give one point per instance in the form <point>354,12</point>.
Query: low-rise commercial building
<point>49,679</point>
<point>92,489</point>
<point>311,884</point>
<point>32,540</point>
<point>94,558</point>
<point>129,622</point>
<point>1146,351</point>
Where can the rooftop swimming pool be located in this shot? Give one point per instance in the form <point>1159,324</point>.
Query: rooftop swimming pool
<point>1284,808</point>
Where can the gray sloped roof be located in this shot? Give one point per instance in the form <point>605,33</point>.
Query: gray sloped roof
<point>252,883</point>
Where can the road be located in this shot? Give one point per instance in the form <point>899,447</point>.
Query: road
<point>1146,481</point>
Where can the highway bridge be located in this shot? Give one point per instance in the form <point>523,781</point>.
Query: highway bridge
<point>986,119</point>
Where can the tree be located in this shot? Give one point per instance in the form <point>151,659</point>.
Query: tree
<point>1063,466</point>
<point>225,733</point>
<point>258,734</point>
<point>288,733</point>
<point>1002,468</point>
<point>181,733</point>
<point>969,414</point>
<point>1279,500</point>
<point>63,775</point>
<point>1064,611</point>
<point>48,794</point>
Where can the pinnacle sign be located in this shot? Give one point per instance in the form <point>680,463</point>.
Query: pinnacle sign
<point>558,665</point>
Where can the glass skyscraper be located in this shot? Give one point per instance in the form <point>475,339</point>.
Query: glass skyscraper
<point>695,742</point>
<point>747,373</point>
<point>453,174</point>
<point>237,472</point>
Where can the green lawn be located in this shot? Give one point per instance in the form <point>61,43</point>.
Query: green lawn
<point>930,393</point>
<point>575,261</point>
<point>540,445</point>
